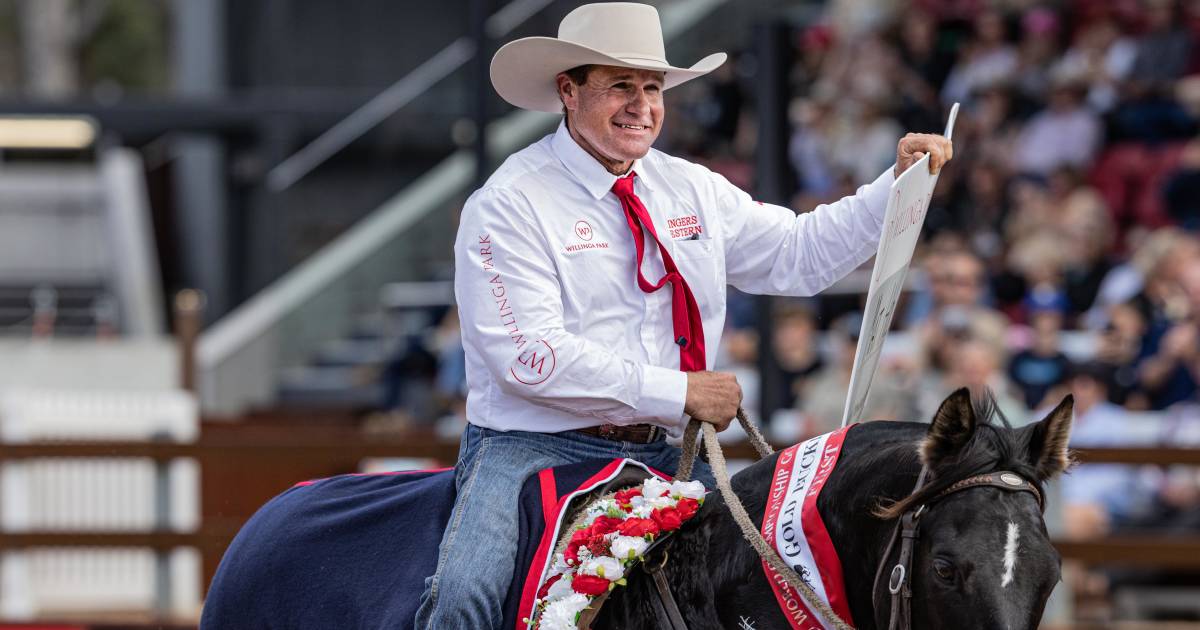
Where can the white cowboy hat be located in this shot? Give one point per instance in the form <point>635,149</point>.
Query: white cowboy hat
<point>624,34</point>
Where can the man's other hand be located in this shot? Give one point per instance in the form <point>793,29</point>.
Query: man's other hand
<point>713,397</point>
<point>914,146</point>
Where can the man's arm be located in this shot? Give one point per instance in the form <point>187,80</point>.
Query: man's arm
<point>510,303</point>
<point>772,250</point>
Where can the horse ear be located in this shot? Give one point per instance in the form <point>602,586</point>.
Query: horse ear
<point>952,426</point>
<point>1048,442</point>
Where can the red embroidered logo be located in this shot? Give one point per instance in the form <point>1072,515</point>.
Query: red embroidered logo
<point>685,227</point>
<point>534,365</point>
<point>583,230</point>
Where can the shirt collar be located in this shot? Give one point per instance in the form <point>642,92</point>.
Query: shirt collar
<point>587,170</point>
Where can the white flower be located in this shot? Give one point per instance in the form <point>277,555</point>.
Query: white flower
<point>559,589</point>
<point>605,567</point>
<point>687,489</point>
<point>560,564</point>
<point>642,511</point>
<point>600,508</point>
<point>561,614</point>
<point>654,487</point>
<point>627,547</point>
<point>660,502</point>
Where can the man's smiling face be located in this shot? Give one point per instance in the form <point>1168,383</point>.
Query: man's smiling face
<point>616,114</point>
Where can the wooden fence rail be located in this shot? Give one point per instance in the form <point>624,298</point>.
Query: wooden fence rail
<point>282,451</point>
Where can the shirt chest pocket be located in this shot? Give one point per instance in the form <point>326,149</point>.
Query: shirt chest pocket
<point>693,249</point>
<point>703,269</point>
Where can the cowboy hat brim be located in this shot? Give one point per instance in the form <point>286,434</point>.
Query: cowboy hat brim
<point>523,71</point>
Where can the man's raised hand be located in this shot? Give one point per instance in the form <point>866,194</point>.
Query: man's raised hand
<point>713,397</point>
<point>914,146</point>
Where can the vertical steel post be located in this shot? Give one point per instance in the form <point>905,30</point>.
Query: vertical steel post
<point>772,180</point>
<point>480,10</point>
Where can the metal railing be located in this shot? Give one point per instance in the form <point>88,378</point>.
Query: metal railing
<point>239,357</point>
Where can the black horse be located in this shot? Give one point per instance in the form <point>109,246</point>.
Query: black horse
<point>967,569</point>
<point>958,571</point>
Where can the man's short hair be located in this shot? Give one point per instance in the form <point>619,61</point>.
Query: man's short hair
<point>579,74</point>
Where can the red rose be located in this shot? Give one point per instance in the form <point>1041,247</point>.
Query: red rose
<point>668,518</point>
<point>581,536</point>
<point>687,508</point>
<point>589,585</point>
<point>571,555</point>
<point>547,584</point>
<point>604,524</point>
<point>599,546</point>
<point>625,497</point>
<point>638,527</point>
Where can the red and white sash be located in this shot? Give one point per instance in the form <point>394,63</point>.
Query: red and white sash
<point>794,527</point>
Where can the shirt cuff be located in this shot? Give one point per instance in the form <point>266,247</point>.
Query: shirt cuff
<point>876,194</point>
<point>663,393</point>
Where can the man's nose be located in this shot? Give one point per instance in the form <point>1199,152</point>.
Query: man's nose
<point>639,102</point>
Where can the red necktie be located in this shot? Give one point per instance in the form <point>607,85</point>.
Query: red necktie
<point>685,313</point>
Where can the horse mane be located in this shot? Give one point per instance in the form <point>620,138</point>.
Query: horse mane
<point>992,446</point>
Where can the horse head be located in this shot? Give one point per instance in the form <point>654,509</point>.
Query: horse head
<point>983,558</point>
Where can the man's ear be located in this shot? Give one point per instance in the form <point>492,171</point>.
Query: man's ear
<point>1048,440</point>
<point>951,428</point>
<point>568,92</point>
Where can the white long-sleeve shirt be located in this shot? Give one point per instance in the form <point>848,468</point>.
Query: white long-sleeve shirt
<point>557,334</point>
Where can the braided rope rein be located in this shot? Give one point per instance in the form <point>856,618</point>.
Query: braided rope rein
<point>716,459</point>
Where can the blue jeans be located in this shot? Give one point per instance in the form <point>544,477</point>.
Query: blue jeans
<point>470,585</point>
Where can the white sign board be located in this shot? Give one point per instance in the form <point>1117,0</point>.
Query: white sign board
<point>908,201</point>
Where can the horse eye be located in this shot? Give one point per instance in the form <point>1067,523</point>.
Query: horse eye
<point>943,569</point>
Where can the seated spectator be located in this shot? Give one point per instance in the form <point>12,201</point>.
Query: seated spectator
<point>1065,133</point>
<point>1182,192</point>
<point>1126,281</point>
<point>1037,51</point>
<point>795,345</point>
<point>1087,231</point>
<point>1119,340</point>
<point>1170,366</point>
<point>988,58</point>
<point>1164,50</point>
<point>823,399</point>
<point>1099,496</point>
<point>976,364</point>
<point>1041,366</point>
<point>1104,56</point>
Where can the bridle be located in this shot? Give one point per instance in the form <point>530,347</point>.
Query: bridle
<point>907,531</point>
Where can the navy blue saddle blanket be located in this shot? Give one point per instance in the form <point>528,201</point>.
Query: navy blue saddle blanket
<point>354,551</point>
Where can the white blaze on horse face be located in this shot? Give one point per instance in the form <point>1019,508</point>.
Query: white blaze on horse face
<point>1010,554</point>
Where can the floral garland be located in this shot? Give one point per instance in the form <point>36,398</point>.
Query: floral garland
<point>614,534</point>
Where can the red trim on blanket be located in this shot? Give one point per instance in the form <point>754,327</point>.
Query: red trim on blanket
<point>537,567</point>
<point>386,473</point>
<point>549,496</point>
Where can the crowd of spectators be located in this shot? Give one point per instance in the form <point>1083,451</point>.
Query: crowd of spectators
<point>1061,251</point>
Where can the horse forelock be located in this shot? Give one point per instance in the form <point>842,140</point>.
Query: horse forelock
<point>994,445</point>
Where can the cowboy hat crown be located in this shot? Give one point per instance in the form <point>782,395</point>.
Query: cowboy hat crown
<point>623,34</point>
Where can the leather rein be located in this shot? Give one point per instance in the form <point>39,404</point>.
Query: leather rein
<point>908,530</point>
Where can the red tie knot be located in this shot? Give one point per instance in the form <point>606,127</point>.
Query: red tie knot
<point>624,187</point>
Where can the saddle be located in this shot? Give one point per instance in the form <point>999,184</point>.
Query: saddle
<point>355,550</point>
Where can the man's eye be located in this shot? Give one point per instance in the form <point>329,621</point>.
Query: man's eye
<point>621,86</point>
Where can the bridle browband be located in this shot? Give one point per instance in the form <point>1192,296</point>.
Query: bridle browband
<point>907,530</point>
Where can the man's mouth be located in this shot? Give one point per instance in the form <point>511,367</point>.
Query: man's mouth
<point>632,127</point>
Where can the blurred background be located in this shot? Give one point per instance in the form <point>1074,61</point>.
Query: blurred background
<point>225,259</point>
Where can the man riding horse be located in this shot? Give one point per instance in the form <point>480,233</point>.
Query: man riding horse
<point>573,351</point>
